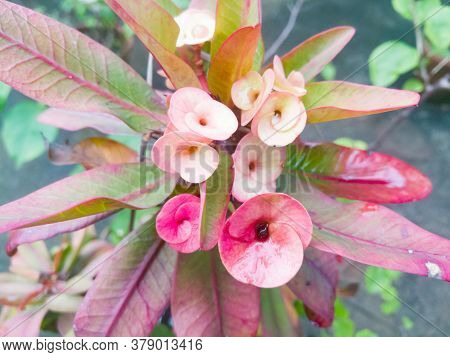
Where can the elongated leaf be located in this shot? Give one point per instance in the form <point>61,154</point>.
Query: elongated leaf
<point>233,60</point>
<point>158,31</point>
<point>169,6</point>
<point>207,301</point>
<point>231,15</point>
<point>215,197</point>
<point>61,67</point>
<point>73,121</point>
<point>357,174</point>
<point>99,190</point>
<point>312,55</point>
<point>375,235</point>
<point>334,100</point>
<point>33,234</point>
<point>132,290</point>
<point>275,317</point>
<point>315,284</point>
<point>92,152</point>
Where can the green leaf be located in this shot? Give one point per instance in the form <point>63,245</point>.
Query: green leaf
<point>274,316</point>
<point>343,326</point>
<point>351,143</point>
<point>121,222</point>
<point>414,84</point>
<point>23,135</point>
<point>63,68</point>
<point>162,330</point>
<point>437,28</point>
<point>407,323</point>
<point>390,60</point>
<point>4,94</point>
<point>379,279</point>
<point>421,9</point>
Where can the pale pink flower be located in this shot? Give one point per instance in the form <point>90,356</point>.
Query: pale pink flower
<point>251,91</point>
<point>263,241</point>
<point>281,119</point>
<point>186,154</point>
<point>294,83</point>
<point>193,110</point>
<point>196,26</point>
<point>256,168</point>
<point>178,223</point>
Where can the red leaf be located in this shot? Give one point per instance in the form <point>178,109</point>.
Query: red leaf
<point>132,290</point>
<point>357,174</point>
<point>334,100</point>
<point>315,284</point>
<point>207,301</point>
<point>375,235</point>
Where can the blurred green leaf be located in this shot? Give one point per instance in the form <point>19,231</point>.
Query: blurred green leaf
<point>23,135</point>
<point>390,60</point>
<point>380,281</point>
<point>437,28</point>
<point>121,221</point>
<point>162,330</point>
<point>414,84</point>
<point>4,94</point>
<point>407,323</point>
<point>422,8</point>
<point>329,72</point>
<point>365,333</point>
<point>352,143</point>
<point>182,4</point>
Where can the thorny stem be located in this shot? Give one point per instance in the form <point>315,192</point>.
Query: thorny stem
<point>295,11</point>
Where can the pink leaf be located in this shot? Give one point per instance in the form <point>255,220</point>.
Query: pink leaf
<point>334,100</point>
<point>33,234</point>
<point>92,192</point>
<point>132,290</point>
<point>315,284</point>
<point>26,323</point>
<point>73,121</point>
<point>158,31</point>
<point>312,55</point>
<point>232,61</point>
<point>215,197</point>
<point>357,174</point>
<point>375,235</point>
<point>57,65</point>
<point>207,301</point>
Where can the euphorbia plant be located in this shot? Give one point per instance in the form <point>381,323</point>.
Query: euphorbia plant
<point>227,139</point>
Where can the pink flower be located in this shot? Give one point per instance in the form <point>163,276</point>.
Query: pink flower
<point>263,241</point>
<point>251,91</point>
<point>281,119</point>
<point>178,223</point>
<point>193,110</point>
<point>187,154</point>
<point>256,168</point>
<point>196,26</point>
<point>294,83</point>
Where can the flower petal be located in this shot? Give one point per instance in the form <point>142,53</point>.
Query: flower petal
<point>245,91</point>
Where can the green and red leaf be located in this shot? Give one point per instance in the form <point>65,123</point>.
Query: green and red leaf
<point>215,198</point>
<point>312,55</point>
<point>334,100</point>
<point>92,192</point>
<point>158,31</point>
<point>232,61</point>
<point>232,15</point>
<point>132,290</point>
<point>57,65</point>
<point>375,235</point>
<point>207,301</point>
<point>357,174</point>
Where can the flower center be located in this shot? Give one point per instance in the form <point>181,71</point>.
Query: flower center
<point>203,122</point>
<point>252,165</point>
<point>262,231</point>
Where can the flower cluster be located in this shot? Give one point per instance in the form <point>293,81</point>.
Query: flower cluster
<point>265,251</point>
